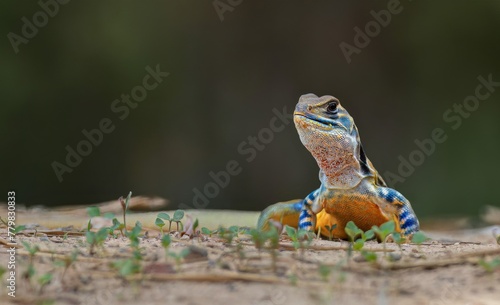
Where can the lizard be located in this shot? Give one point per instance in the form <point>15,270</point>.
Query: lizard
<point>351,188</point>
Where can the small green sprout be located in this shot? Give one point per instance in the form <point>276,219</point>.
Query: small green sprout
<point>352,231</point>
<point>301,239</point>
<point>369,256</point>
<point>418,238</point>
<point>206,231</point>
<point>133,235</point>
<point>490,266</point>
<point>226,234</point>
<point>124,204</point>
<point>166,241</point>
<point>95,239</point>
<point>330,230</point>
<point>178,215</point>
<point>32,250</point>
<point>20,228</point>
<point>44,280</point>
<point>93,211</point>
<point>117,225</point>
<point>179,257</point>
<point>258,238</point>
<point>324,272</point>
<point>127,267</point>
<point>196,224</point>
<point>160,223</point>
<point>386,229</point>
<point>66,262</point>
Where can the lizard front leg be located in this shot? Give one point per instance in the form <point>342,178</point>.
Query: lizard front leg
<point>406,219</point>
<point>310,207</point>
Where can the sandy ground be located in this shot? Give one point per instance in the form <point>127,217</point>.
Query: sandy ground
<point>444,270</point>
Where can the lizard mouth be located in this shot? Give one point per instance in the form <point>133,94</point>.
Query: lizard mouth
<point>317,121</point>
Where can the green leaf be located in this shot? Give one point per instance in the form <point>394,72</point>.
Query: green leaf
<point>398,238</point>
<point>19,229</point>
<point>234,229</point>
<point>137,229</point>
<point>163,215</point>
<point>369,256</point>
<point>184,252</point>
<point>178,215</point>
<point>418,238</point>
<point>93,211</point>
<point>196,224</point>
<point>127,200</point>
<point>291,231</point>
<point>116,224</point>
<point>369,234</point>
<point>166,241</point>
<point>102,234</point>
<point>89,226</point>
<point>358,244</point>
<point>127,267</point>
<point>324,271</point>
<point>160,223</point>
<point>90,237</point>
<point>31,271</point>
<point>109,215</point>
<point>31,249</point>
<point>352,230</point>
<point>45,279</point>
<point>206,231</point>
<point>388,227</point>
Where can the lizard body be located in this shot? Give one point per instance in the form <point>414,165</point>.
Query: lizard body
<point>351,188</point>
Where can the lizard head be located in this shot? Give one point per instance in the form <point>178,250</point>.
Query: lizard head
<point>322,116</point>
<point>328,131</point>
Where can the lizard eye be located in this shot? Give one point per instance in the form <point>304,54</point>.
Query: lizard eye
<point>332,107</point>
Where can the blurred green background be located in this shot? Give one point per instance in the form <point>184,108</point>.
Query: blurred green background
<point>226,77</point>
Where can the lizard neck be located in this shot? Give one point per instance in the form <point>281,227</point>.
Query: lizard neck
<point>338,162</point>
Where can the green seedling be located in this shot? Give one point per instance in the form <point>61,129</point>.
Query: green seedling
<point>124,204</point>
<point>178,215</point>
<point>44,280</point>
<point>109,215</point>
<point>369,256</point>
<point>258,238</point>
<point>66,262</point>
<point>418,238</point>
<point>95,239</point>
<point>196,224</point>
<point>133,235</point>
<point>330,230</point>
<point>93,211</point>
<point>352,231</point>
<point>206,231</point>
<point>357,240</point>
<point>324,272</point>
<point>490,266</point>
<point>127,266</point>
<point>19,228</point>
<point>226,235</point>
<point>160,223</point>
<point>179,257</point>
<point>117,225</point>
<point>386,229</point>
<point>301,239</point>
<point>496,235</point>
<point>166,241</point>
<point>32,250</point>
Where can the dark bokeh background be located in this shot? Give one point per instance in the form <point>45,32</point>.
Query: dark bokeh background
<point>225,79</point>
